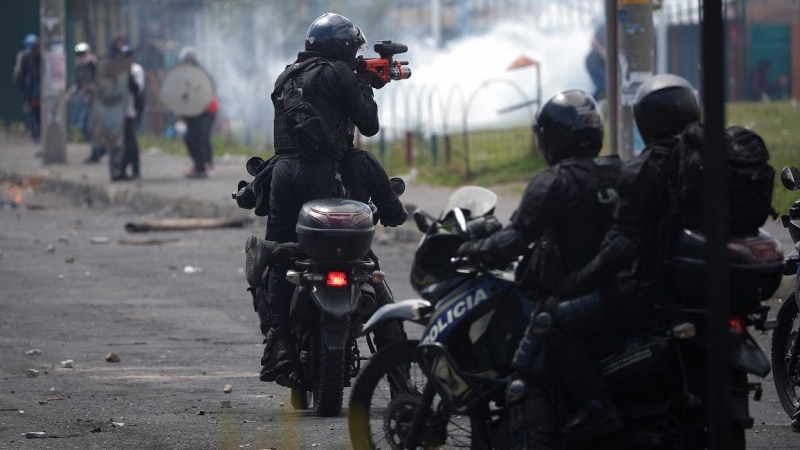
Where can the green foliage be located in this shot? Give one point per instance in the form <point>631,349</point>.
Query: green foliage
<point>779,124</point>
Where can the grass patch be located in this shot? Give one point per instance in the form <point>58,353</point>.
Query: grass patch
<point>219,145</point>
<point>779,124</point>
<point>501,156</point>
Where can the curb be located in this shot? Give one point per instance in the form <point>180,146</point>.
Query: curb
<point>134,199</point>
<point>125,195</point>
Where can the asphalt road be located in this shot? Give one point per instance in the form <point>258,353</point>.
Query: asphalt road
<point>181,338</point>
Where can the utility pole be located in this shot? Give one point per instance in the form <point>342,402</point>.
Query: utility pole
<point>436,22</point>
<point>636,62</point>
<point>612,74</point>
<point>715,204</point>
<point>53,116</point>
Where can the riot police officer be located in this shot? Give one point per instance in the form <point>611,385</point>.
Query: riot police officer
<point>335,99</point>
<point>602,300</point>
<point>565,210</point>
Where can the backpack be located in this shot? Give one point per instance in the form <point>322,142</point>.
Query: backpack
<point>750,179</point>
<point>542,270</point>
<point>311,134</point>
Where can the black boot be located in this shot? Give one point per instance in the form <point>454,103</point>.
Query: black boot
<point>280,357</point>
<point>578,374</point>
<point>257,256</point>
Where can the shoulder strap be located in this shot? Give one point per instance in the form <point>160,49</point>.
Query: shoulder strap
<point>293,69</point>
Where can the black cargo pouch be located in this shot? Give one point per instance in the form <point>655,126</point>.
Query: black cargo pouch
<point>541,270</point>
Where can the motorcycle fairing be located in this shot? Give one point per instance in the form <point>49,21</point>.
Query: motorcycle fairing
<point>336,333</point>
<point>337,303</point>
<point>748,357</point>
<point>406,310</point>
<point>462,303</point>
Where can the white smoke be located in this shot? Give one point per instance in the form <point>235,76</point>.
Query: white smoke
<point>245,57</point>
<point>471,61</point>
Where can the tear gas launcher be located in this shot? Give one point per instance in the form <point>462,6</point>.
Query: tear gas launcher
<point>386,67</point>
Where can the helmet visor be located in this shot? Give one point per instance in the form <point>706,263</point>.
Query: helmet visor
<point>360,40</point>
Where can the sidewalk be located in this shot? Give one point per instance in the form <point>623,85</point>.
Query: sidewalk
<point>163,187</point>
<point>163,184</point>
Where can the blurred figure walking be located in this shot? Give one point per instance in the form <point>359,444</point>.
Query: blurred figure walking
<point>83,92</point>
<point>198,129</point>
<point>596,62</point>
<point>29,78</point>
<point>130,155</point>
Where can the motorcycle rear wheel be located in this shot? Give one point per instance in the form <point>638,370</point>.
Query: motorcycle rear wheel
<point>380,411</point>
<point>787,382</point>
<point>329,379</point>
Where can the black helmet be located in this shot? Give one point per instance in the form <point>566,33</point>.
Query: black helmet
<point>336,37</point>
<point>569,125</point>
<point>665,104</point>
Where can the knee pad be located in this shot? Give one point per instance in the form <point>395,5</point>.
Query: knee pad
<point>582,315</point>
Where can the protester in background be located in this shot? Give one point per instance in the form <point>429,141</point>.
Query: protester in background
<point>136,86</point>
<point>30,82</point>
<point>596,62</point>
<point>198,129</point>
<point>85,73</point>
<point>27,45</point>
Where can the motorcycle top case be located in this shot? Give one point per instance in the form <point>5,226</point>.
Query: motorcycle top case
<point>755,263</point>
<point>335,229</point>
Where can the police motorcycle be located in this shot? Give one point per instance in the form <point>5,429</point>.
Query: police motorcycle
<point>334,268</point>
<point>785,336</point>
<point>474,318</point>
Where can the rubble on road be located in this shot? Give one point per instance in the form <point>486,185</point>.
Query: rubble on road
<point>68,364</point>
<point>34,351</point>
<point>192,269</point>
<point>36,435</point>
<point>51,248</point>
<point>184,224</point>
<point>201,413</point>
<point>113,358</point>
<point>99,240</point>
<point>31,373</point>
<point>227,389</point>
<point>148,241</point>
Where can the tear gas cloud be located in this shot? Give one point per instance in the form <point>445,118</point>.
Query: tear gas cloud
<point>246,54</point>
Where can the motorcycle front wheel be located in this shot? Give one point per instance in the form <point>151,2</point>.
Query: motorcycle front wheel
<point>384,400</point>
<point>787,379</point>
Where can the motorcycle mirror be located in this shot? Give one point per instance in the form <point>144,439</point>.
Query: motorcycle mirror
<point>461,221</point>
<point>790,178</point>
<point>398,185</point>
<point>421,221</point>
<point>252,164</point>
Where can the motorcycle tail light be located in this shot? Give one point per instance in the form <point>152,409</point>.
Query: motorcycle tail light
<point>336,279</point>
<point>738,326</point>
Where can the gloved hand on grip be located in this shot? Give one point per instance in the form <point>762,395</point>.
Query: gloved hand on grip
<point>370,79</point>
<point>480,251</point>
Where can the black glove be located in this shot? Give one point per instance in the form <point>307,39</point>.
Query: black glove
<point>570,286</point>
<point>469,248</point>
<point>399,220</point>
<point>370,79</point>
<point>551,304</point>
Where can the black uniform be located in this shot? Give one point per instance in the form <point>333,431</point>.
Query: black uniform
<point>633,241</point>
<point>340,98</point>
